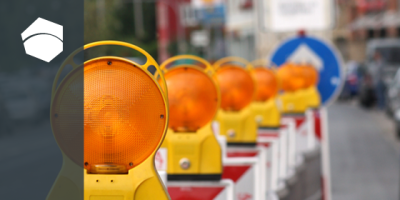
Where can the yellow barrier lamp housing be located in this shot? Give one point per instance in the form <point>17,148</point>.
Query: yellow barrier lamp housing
<point>264,107</point>
<point>194,99</point>
<point>292,82</point>
<point>125,118</point>
<point>236,120</point>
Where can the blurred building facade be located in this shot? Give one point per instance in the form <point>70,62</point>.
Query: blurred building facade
<point>359,21</point>
<point>267,40</point>
<point>356,23</point>
<point>228,26</point>
<point>239,33</point>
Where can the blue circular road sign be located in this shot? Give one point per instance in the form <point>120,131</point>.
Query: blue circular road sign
<point>324,57</point>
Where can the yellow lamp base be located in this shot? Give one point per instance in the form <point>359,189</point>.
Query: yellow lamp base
<point>266,114</point>
<point>240,128</point>
<point>193,155</point>
<point>141,182</point>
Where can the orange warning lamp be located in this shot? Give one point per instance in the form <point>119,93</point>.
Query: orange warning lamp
<point>114,117</point>
<point>267,83</point>
<point>237,87</point>
<point>234,76</point>
<point>310,74</point>
<point>284,74</point>
<point>298,80</point>
<point>310,91</point>
<point>266,80</point>
<point>291,77</point>
<point>265,108</point>
<point>194,99</point>
<point>122,113</point>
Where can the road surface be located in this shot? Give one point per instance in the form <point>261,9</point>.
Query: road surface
<point>364,154</point>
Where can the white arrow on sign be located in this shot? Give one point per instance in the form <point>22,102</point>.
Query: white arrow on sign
<point>304,54</point>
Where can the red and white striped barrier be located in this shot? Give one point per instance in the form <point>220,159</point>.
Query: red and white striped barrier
<point>262,172</point>
<point>199,190</point>
<point>301,131</point>
<point>271,140</point>
<point>243,165</point>
<point>280,146</point>
<point>290,126</point>
<point>202,190</point>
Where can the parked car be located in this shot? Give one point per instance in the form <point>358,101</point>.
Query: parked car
<point>393,101</point>
<point>393,95</point>
<point>367,97</point>
<point>390,51</point>
<point>396,119</point>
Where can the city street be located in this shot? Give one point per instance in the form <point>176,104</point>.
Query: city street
<point>212,99</point>
<point>364,157</point>
<point>364,154</point>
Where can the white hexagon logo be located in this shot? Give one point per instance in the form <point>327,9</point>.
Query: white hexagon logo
<point>43,39</point>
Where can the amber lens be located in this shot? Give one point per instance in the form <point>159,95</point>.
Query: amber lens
<point>291,77</point>
<point>284,74</point>
<point>193,98</point>
<point>267,83</point>
<point>310,74</point>
<point>237,87</point>
<point>298,79</point>
<point>124,113</point>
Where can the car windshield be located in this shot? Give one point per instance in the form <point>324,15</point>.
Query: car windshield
<point>390,55</point>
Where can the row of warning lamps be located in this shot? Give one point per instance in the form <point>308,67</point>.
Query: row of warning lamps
<point>127,110</point>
